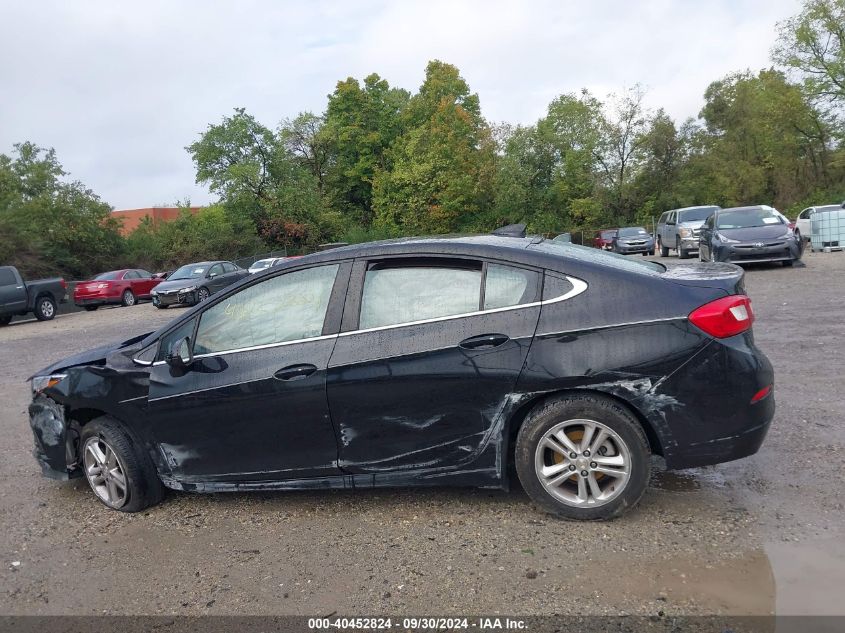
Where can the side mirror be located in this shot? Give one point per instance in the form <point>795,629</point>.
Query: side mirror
<point>180,355</point>
<point>211,275</point>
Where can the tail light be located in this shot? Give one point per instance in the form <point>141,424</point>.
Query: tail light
<point>63,283</point>
<point>724,317</point>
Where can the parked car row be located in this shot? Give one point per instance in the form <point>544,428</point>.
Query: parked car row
<point>749,234</point>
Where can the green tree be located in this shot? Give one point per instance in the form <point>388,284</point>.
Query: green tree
<point>442,172</point>
<point>361,123</point>
<point>49,224</point>
<point>813,43</point>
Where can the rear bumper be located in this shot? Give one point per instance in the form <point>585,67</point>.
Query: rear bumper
<point>95,301</point>
<point>712,419</point>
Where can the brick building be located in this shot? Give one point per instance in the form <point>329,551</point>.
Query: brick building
<point>131,218</point>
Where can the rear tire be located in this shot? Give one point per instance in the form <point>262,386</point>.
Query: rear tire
<point>619,444</point>
<point>90,308</point>
<point>127,299</point>
<point>129,482</point>
<point>45,308</point>
<point>664,251</point>
<point>160,307</point>
<point>5,320</point>
<point>789,263</point>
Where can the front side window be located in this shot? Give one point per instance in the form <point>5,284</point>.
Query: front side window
<point>288,307</point>
<point>167,341</point>
<point>508,286</point>
<point>215,270</point>
<point>404,294</point>
<point>7,277</point>
<point>144,274</point>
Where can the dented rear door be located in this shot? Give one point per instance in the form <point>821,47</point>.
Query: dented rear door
<point>423,367</point>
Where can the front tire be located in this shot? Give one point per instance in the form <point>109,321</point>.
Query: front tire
<point>45,309</point>
<point>202,294</point>
<point>682,254</point>
<point>583,457</point>
<point>664,251</point>
<point>789,263</point>
<point>5,320</point>
<point>119,471</point>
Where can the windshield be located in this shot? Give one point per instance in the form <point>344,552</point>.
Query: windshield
<point>188,272</point>
<point>607,235</point>
<point>696,215</point>
<point>632,231</point>
<point>107,276</point>
<point>599,256</point>
<point>747,218</point>
<point>262,263</point>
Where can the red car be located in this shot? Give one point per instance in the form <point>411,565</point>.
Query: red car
<point>123,287</point>
<point>604,239</point>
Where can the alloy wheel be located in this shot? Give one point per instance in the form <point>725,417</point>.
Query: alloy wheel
<point>582,463</point>
<point>47,308</point>
<point>128,298</point>
<point>105,472</point>
<point>202,294</point>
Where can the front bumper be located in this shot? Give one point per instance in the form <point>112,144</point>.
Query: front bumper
<point>175,299</point>
<point>55,445</point>
<point>689,243</point>
<point>626,249</point>
<point>782,251</point>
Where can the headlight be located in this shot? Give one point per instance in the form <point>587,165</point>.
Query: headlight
<point>186,290</point>
<point>725,239</point>
<point>40,383</point>
<point>685,232</point>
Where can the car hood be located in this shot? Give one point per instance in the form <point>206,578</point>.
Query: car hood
<point>634,237</point>
<point>177,284</point>
<point>96,356</point>
<point>692,224</point>
<point>756,233</point>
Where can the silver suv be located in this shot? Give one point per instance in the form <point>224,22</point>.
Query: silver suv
<point>678,229</point>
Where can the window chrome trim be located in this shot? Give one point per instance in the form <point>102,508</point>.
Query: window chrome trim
<point>613,326</point>
<point>578,286</point>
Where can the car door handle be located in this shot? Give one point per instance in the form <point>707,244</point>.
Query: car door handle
<point>484,341</point>
<point>295,372</point>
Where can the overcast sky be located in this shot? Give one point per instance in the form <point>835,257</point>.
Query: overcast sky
<point>120,88</point>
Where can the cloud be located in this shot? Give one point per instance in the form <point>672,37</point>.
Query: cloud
<point>119,89</point>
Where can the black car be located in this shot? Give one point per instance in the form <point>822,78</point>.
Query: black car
<point>633,239</point>
<point>194,283</point>
<point>429,361</point>
<point>745,235</point>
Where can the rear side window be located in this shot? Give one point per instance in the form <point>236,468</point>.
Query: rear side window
<point>131,274</point>
<point>229,268</point>
<point>288,307</point>
<point>404,294</point>
<point>507,286</point>
<point>7,277</point>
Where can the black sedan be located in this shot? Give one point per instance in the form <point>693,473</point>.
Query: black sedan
<point>745,235</point>
<point>194,283</point>
<point>633,239</point>
<point>437,361</point>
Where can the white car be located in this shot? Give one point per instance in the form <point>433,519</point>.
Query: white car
<point>802,224</point>
<point>263,264</point>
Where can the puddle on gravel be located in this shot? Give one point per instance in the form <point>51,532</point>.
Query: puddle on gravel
<point>687,480</point>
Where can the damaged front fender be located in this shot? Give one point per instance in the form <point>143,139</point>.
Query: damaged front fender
<point>56,442</point>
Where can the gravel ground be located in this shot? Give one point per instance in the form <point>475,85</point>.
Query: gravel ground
<point>757,536</point>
